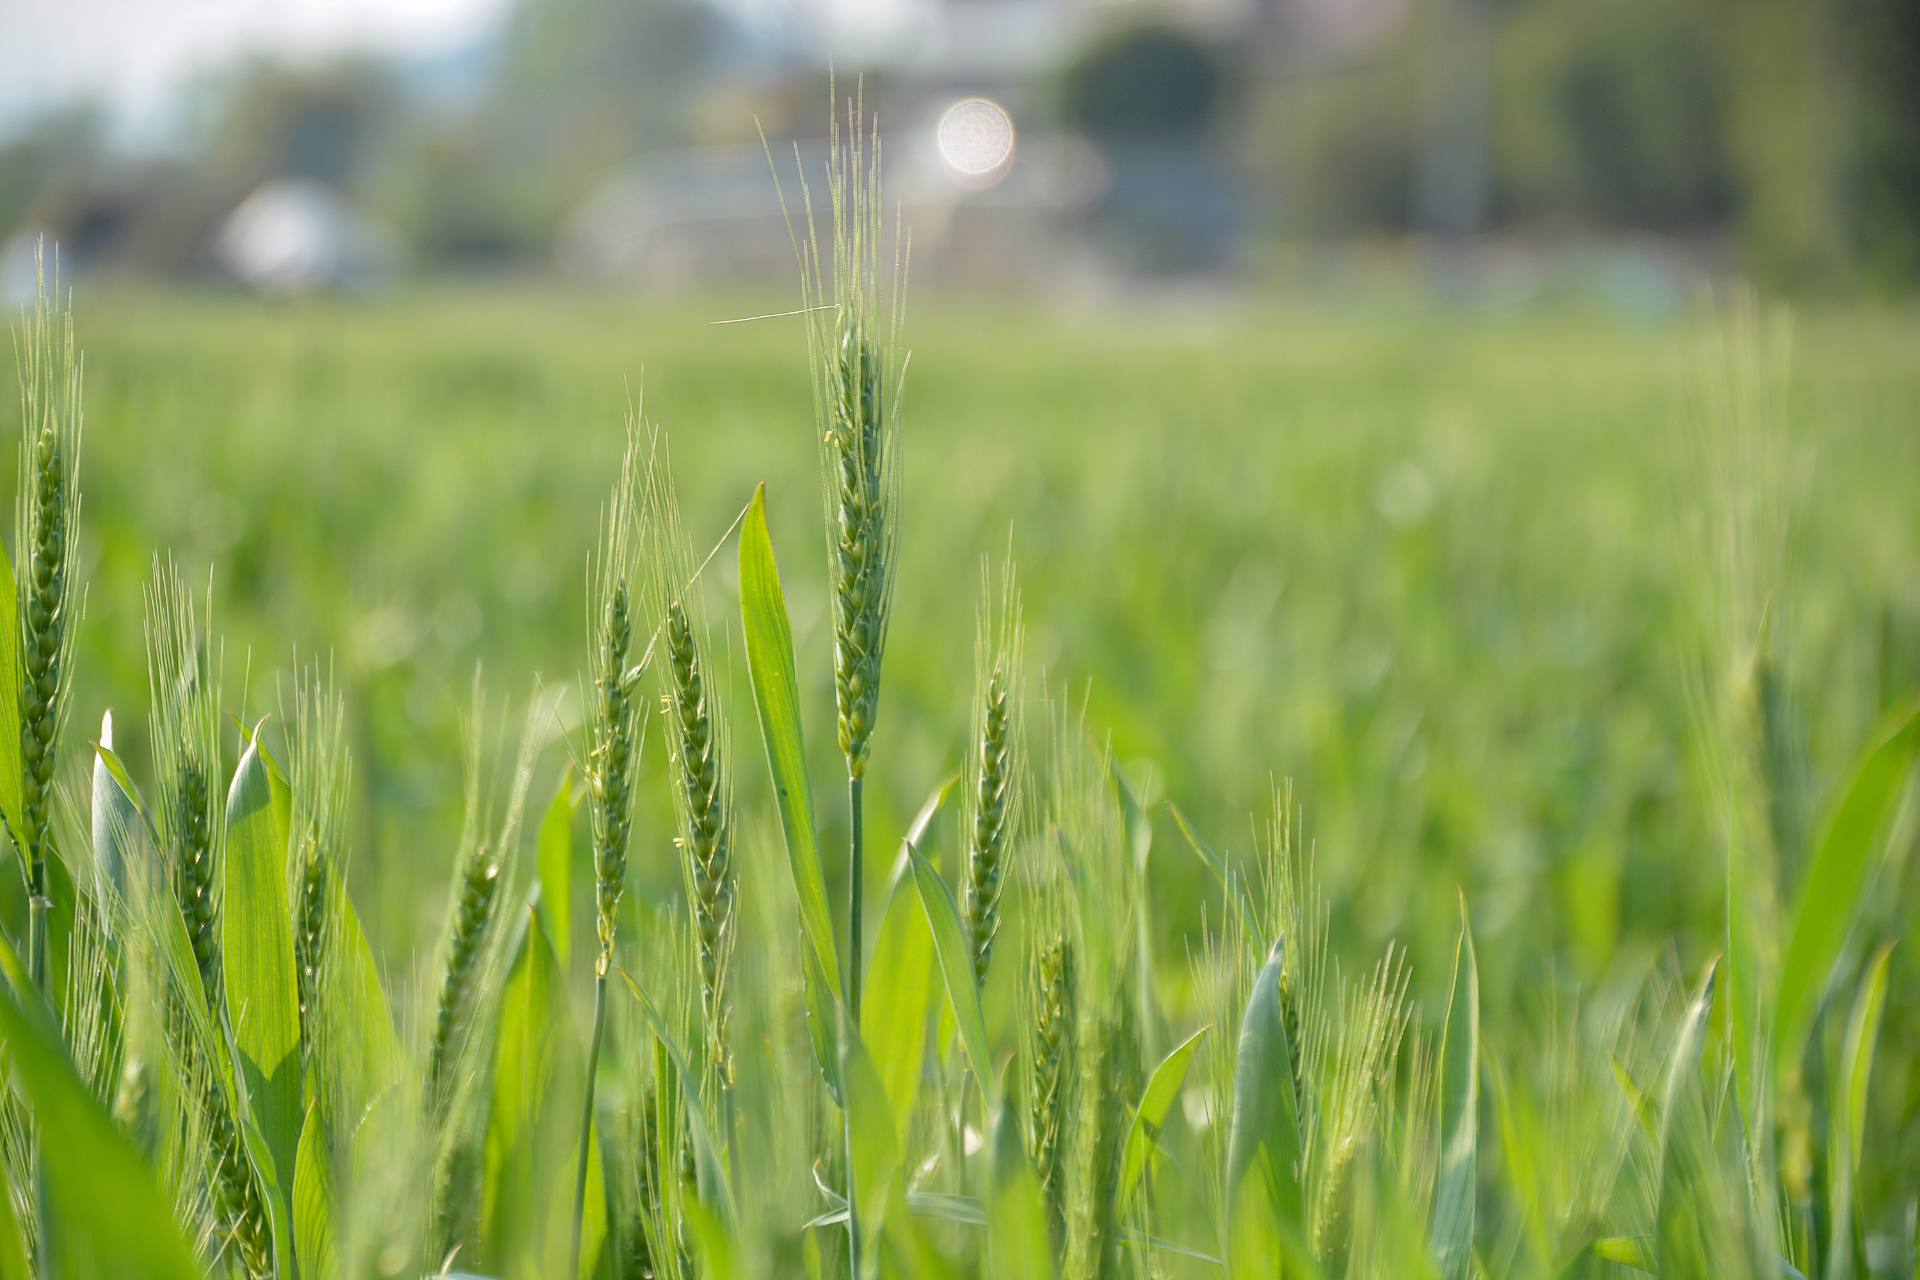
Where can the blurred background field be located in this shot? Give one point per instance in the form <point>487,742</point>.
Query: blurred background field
<point>1437,570</point>
<point>1348,377</point>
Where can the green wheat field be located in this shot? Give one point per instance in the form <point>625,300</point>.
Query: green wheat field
<point>1344,791</point>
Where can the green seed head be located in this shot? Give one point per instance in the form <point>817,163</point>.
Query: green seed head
<point>611,767</point>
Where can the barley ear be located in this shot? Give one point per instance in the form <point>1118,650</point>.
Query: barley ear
<point>853,307</point>
<point>1051,1053</point>
<point>320,764</point>
<point>993,767</point>
<point>613,747</point>
<point>183,689</point>
<point>46,534</point>
<point>698,760</point>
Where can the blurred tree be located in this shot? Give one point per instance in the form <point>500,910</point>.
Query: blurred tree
<point>55,147</point>
<point>1147,83</point>
<point>1614,114</point>
<point>325,123</point>
<point>1885,55</point>
<point>586,86</point>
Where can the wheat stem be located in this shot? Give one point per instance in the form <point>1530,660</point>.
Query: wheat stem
<point>586,1121</point>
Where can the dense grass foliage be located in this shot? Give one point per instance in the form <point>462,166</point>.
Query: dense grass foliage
<point>1588,648</point>
<point>1432,567</point>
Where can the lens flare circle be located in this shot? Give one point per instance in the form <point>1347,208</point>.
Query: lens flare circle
<point>976,141</point>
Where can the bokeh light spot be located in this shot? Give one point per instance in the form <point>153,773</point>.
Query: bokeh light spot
<point>976,142</point>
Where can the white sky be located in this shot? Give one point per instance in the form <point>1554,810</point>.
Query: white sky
<point>136,54</point>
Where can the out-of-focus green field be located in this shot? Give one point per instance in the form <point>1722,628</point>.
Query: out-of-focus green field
<point>1432,567</point>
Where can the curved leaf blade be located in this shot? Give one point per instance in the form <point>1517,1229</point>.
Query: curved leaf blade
<point>1018,1241</point>
<point>899,985</point>
<point>313,1201</point>
<point>1837,876</point>
<point>1156,1101</point>
<point>91,1164</point>
<point>257,940</point>
<point>776,697</point>
<point>956,969</point>
<point>1453,1195</point>
<point>1265,1204</point>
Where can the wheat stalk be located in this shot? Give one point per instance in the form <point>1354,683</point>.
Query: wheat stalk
<point>613,753</point>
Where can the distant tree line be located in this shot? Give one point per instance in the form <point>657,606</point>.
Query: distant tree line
<point>1785,131</point>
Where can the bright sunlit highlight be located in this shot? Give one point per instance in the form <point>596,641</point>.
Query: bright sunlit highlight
<point>976,142</point>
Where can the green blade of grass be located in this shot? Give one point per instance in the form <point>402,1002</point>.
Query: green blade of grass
<point>874,1147</point>
<point>824,1015</point>
<point>1838,875</point>
<point>12,786</point>
<point>1453,1196</point>
<point>1150,1025</point>
<point>554,865</point>
<point>370,1053</point>
<point>956,969</point>
<point>776,697</point>
<point>13,1245</point>
<point>1018,1243</point>
<point>1679,1228</point>
<point>532,1145</point>
<point>1156,1101</point>
<point>313,1200</point>
<point>899,991</point>
<point>1235,891</point>
<point>1847,1134</point>
<point>710,1176</point>
<point>115,819</point>
<point>105,1216</point>
<point>257,941</point>
<point>1265,1205</point>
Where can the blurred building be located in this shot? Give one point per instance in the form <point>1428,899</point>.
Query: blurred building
<point>294,236</point>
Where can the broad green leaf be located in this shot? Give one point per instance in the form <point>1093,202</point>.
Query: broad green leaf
<point>1401,1247</point>
<point>956,970</point>
<point>718,1253</point>
<point>1838,875</point>
<point>776,696</point>
<point>1018,1241</point>
<point>1628,1251</point>
<point>12,783</point>
<point>1156,1101</point>
<point>1264,1201</point>
<point>899,985</point>
<point>88,1166</point>
<point>874,1149</point>
<point>279,784</point>
<point>115,818</point>
<point>1459,1091</point>
<point>1847,1133</point>
<point>532,1135</point>
<point>369,1049</point>
<point>274,1193</point>
<point>117,770</point>
<point>1235,891</point>
<point>709,1175</point>
<point>313,1201</point>
<point>824,1011</point>
<point>257,941</point>
<point>555,866</point>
